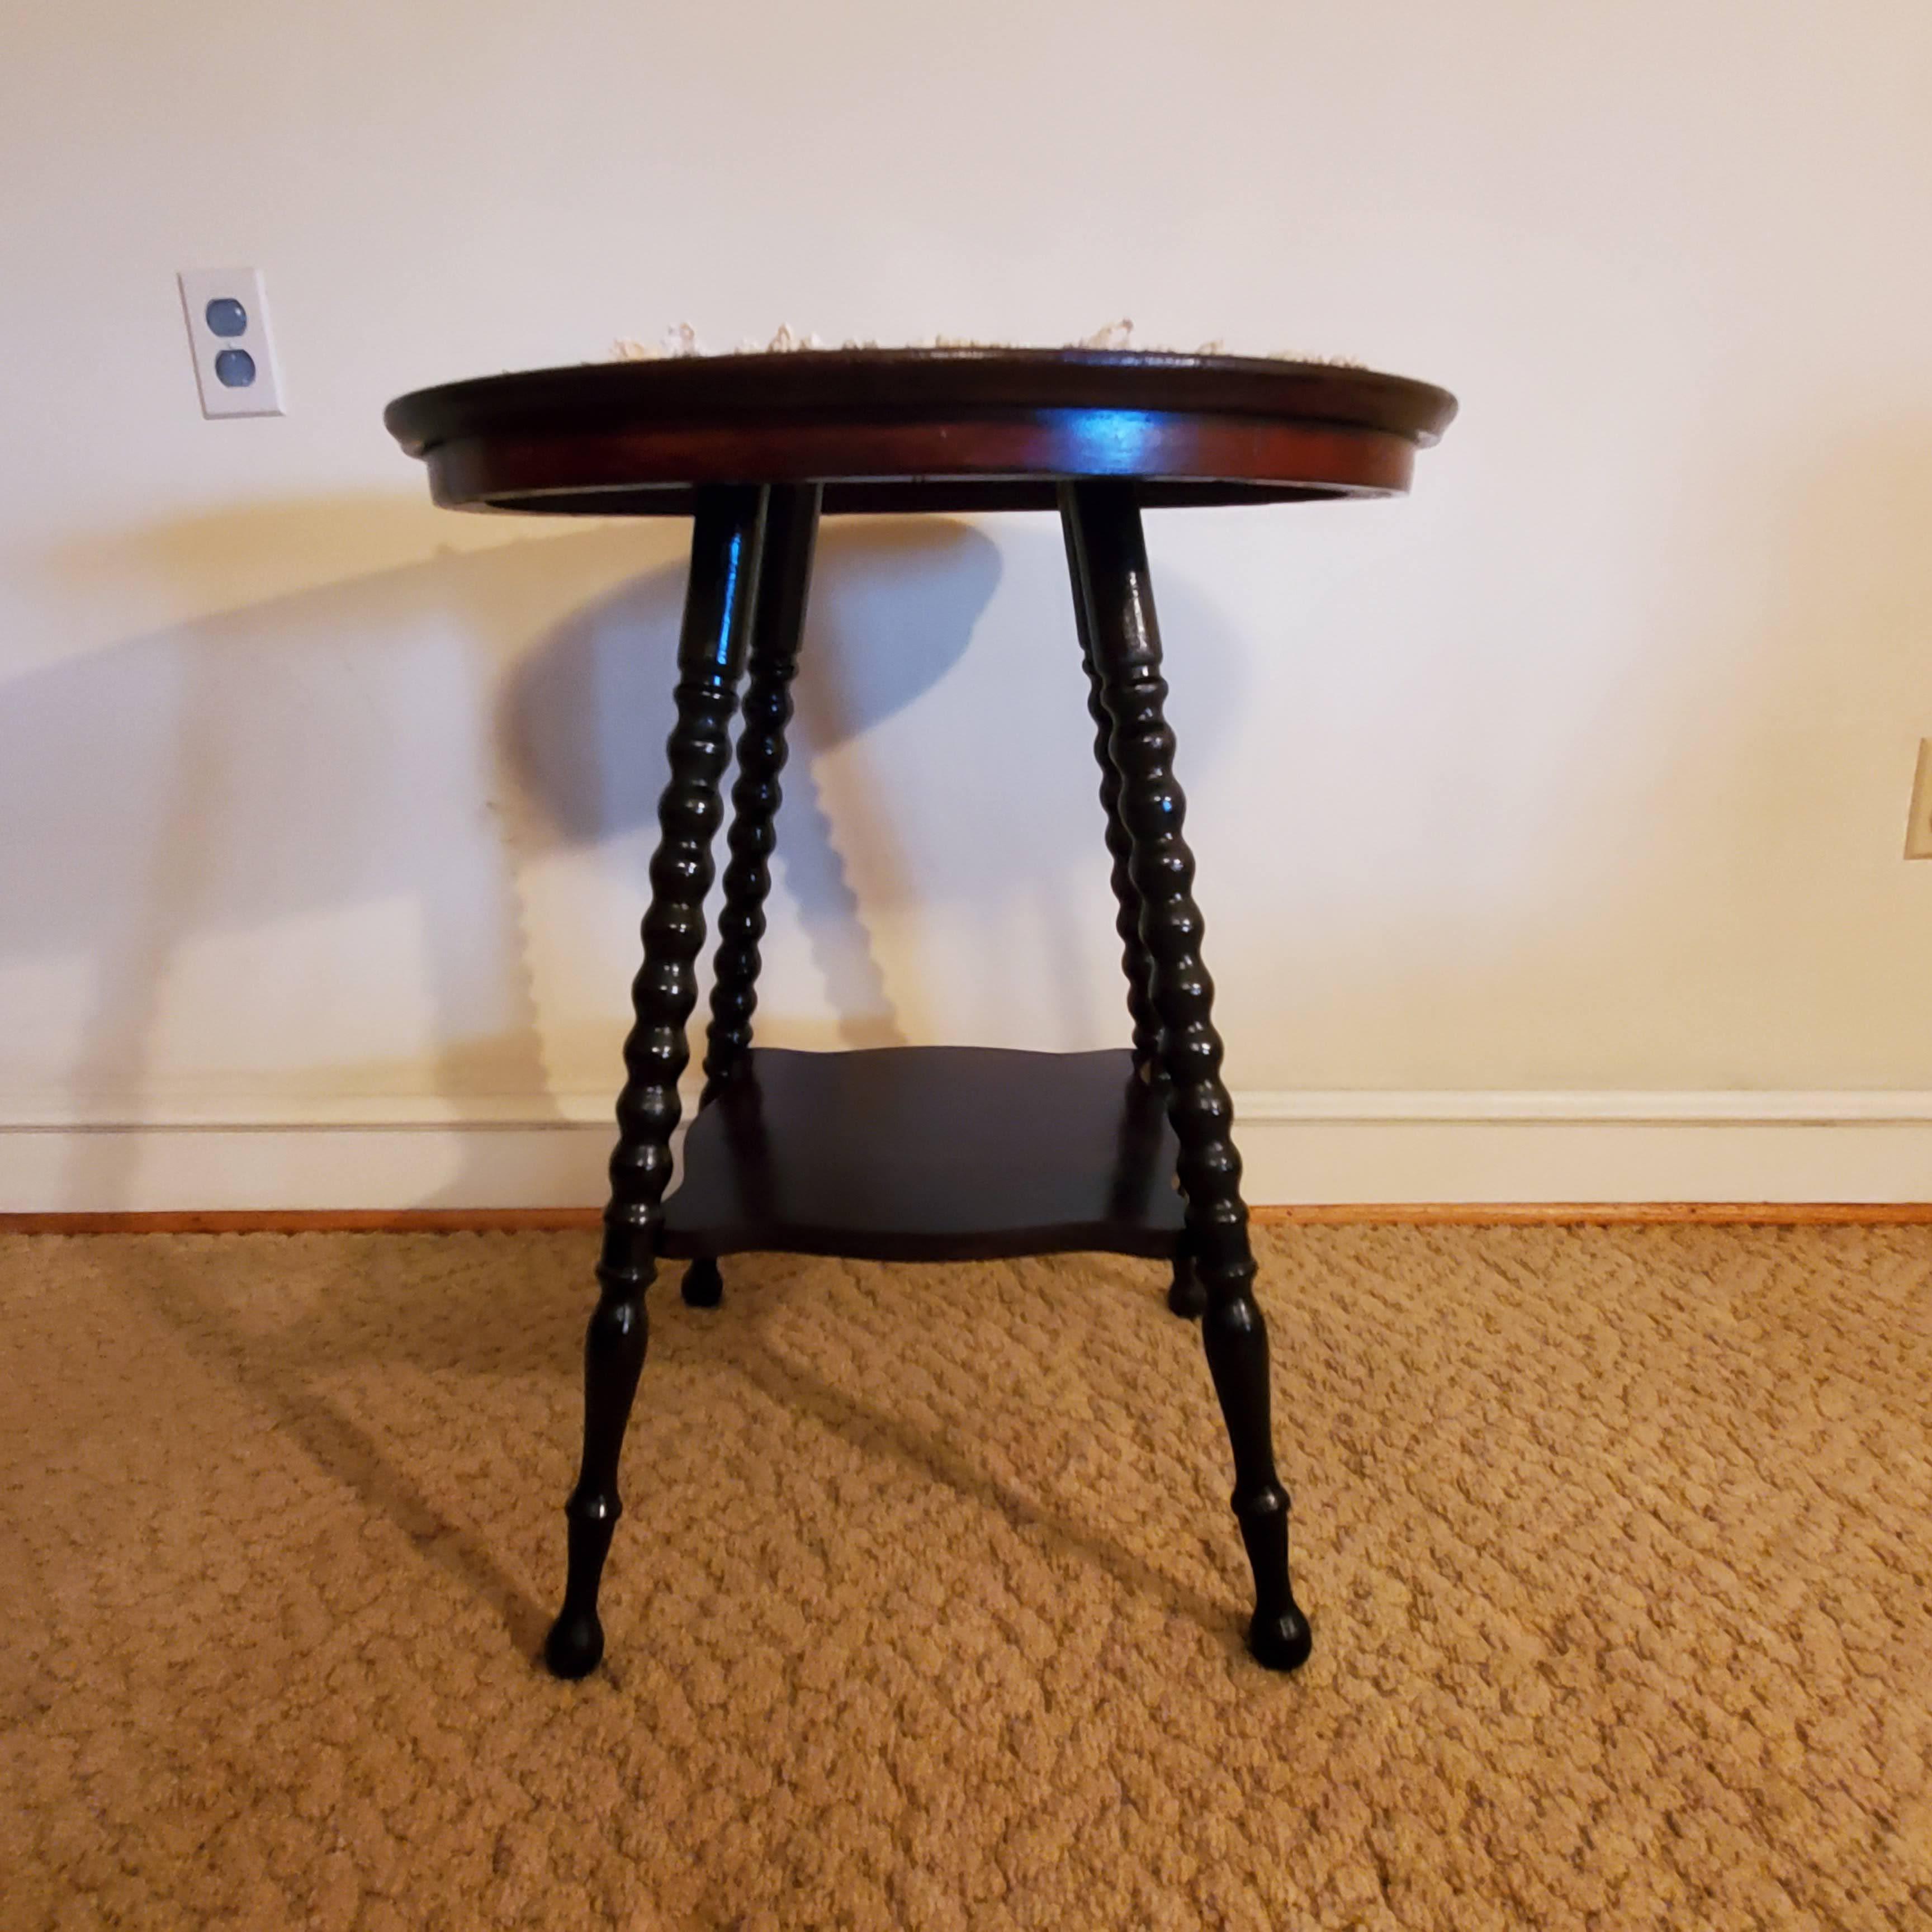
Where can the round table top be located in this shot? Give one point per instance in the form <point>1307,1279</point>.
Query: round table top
<point>919,429</point>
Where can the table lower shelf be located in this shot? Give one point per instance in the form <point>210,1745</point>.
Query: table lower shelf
<point>928,1153</point>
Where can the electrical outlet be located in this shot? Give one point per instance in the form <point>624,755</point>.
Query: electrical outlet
<point>235,364</point>
<point>1918,828</point>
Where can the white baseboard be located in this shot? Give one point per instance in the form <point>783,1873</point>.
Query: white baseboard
<point>157,1170</point>
<point>1299,1148</point>
<point>1855,1145</point>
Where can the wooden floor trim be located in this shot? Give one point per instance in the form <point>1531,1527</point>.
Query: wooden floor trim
<point>313,1221</point>
<point>1452,1213</point>
<point>1607,1213</point>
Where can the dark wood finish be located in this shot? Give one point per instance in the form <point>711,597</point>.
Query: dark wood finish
<point>892,496</point>
<point>1110,559</point>
<point>1194,460</point>
<point>931,1153</point>
<point>726,543</point>
<point>1134,963</point>
<point>1185,1297</point>
<point>777,626</point>
<point>906,384</point>
<point>919,429</point>
<point>928,1153</point>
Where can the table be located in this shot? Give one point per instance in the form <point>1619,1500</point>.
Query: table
<point>918,1153</point>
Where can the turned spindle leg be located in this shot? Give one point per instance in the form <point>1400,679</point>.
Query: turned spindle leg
<point>1184,1294</point>
<point>777,624</point>
<point>1102,520</point>
<point>724,558</point>
<point>1135,962</point>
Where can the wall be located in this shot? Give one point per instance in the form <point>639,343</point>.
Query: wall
<point>1575,784</point>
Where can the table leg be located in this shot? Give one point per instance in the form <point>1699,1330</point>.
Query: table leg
<point>1185,1295</point>
<point>777,624</point>
<point>1134,963</point>
<point>1102,519</point>
<point>726,544</point>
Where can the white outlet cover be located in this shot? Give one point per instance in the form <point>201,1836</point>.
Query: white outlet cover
<point>262,397</point>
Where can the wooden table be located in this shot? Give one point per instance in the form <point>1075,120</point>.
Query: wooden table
<point>919,1153</point>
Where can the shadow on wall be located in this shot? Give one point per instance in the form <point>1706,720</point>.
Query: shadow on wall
<point>584,717</point>
<point>392,746</point>
<point>324,815</point>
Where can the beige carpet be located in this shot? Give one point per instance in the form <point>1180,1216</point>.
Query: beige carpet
<point>925,1610</point>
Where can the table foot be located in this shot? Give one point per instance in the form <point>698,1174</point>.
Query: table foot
<point>704,1286</point>
<point>1235,1337</point>
<point>1281,1642</point>
<point>575,1645</point>
<point>1186,1296</point>
<point>614,1348</point>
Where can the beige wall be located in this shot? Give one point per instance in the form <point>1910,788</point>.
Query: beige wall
<point>1585,769</point>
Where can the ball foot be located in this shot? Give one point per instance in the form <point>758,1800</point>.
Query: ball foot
<point>1282,1642</point>
<point>575,1645</point>
<point>704,1286</point>
<point>1186,1296</point>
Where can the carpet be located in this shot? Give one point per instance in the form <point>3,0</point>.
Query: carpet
<point>925,1610</point>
